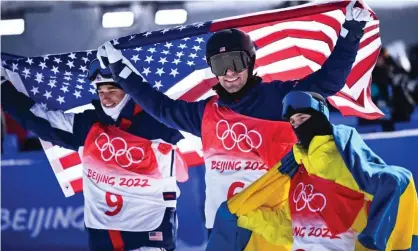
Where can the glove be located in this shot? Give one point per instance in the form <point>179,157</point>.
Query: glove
<point>356,19</point>
<point>356,13</point>
<point>108,55</point>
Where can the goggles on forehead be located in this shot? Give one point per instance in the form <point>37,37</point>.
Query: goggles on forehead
<point>298,101</point>
<point>95,69</point>
<point>237,61</point>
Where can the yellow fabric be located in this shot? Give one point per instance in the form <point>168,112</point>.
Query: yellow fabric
<point>406,220</point>
<point>325,161</point>
<point>266,222</point>
<point>258,243</point>
<point>263,208</point>
<point>318,163</point>
<point>358,225</point>
<point>258,195</point>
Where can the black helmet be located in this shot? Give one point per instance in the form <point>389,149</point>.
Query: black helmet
<point>229,40</point>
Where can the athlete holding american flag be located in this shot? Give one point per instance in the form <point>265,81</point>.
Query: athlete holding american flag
<point>241,129</point>
<point>236,133</point>
<point>129,161</point>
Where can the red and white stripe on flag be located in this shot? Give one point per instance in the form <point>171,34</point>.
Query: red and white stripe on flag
<point>292,43</point>
<point>67,166</point>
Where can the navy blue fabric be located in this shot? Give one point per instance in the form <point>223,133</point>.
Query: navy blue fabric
<point>18,105</point>
<point>231,237</point>
<point>289,165</point>
<point>263,101</point>
<point>95,68</point>
<point>99,240</point>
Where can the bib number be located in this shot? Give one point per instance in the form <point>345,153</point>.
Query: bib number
<point>114,201</point>
<point>233,188</point>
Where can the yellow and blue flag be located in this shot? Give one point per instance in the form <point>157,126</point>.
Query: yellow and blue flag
<point>345,183</point>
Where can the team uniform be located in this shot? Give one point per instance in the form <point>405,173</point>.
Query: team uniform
<point>340,196</point>
<point>242,149</point>
<point>262,101</point>
<point>129,169</point>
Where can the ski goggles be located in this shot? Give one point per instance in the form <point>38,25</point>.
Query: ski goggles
<point>95,69</point>
<point>298,101</point>
<point>236,61</point>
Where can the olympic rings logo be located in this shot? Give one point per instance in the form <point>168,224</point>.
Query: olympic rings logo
<point>306,195</point>
<point>108,146</point>
<point>239,139</point>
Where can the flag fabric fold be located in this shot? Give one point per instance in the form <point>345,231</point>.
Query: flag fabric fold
<point>291,43</point>
<point>386,220</point>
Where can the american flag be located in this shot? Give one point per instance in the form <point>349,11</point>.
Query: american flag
<point>291,43</point>
<point>155,236</point>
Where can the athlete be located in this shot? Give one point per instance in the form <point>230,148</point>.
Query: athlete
<point>341,195</point>
<point>242,124</point>
<point>129,178</point>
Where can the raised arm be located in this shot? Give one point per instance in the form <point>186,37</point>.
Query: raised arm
<point>177,114</point>
<point>334,72</point>
<point>56,127</point>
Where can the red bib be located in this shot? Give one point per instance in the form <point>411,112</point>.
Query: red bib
<point>225,132</point>
<point>314,199</point>
<point>118,150</point>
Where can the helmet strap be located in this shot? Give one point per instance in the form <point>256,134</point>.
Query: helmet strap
<point>251,67</point>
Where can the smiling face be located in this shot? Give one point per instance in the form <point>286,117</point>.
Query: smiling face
<point>298,119</point>
<point>233,81</point>
<point>110,96</point>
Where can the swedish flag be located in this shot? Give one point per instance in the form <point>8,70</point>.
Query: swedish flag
<point>259,217</point>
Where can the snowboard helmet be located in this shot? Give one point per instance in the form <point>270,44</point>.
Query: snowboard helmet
<point>230,49</point>
<point>99,76</point>
<point>303,102</point>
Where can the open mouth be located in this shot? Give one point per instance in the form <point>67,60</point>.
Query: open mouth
<point>231,79</point>
<point>109,105</point>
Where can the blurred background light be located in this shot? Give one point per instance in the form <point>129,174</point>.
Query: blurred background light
<point>170,17</point>
<point>12,27</point>
<point>118,19</point>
